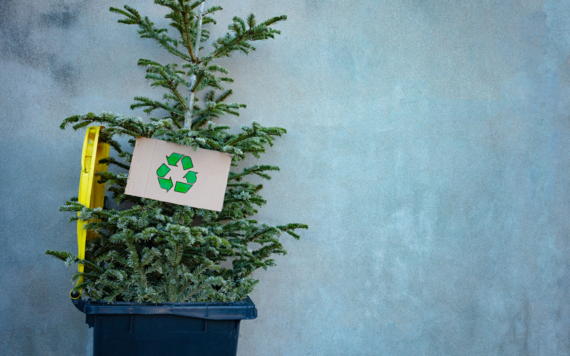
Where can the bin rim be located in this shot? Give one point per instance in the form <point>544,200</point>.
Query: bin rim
<point>239,310</point>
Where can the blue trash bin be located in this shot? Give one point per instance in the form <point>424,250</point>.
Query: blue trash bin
<point>145,329</point>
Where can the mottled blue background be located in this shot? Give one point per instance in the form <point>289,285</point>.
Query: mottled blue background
<point>428,150</point>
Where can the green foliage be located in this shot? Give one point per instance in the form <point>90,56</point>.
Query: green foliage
<point>159,252</point>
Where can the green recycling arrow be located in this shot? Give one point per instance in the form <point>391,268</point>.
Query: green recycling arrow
<point>173,159</point>
<point>163,170</point>
<point>190,177</point>
<point>165,183</point>
<point>187,163</point>
<point>182,187</point>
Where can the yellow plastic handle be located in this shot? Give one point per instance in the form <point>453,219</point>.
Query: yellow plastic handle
<point>91,138</point>
<point>91,193</point>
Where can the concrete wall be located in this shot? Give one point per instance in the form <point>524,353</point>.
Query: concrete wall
<point>427,149</point>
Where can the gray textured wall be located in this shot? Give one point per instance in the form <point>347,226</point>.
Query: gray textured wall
<point>428,152</point>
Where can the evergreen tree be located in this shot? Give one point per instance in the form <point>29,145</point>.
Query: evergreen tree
<point>160,252</point>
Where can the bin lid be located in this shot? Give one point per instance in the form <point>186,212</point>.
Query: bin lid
<point>91,193</point>
<point>240,310</point>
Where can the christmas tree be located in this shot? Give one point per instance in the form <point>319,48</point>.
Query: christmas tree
<point>152,251</point>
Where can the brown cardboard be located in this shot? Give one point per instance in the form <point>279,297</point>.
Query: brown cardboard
<point>211,167</point>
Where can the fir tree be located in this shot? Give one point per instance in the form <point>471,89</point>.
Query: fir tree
<point>160,252</point>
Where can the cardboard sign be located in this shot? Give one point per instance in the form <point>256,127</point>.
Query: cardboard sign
<point>177,174</point>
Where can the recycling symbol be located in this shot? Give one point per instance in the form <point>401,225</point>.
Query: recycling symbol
<point>173,160</point>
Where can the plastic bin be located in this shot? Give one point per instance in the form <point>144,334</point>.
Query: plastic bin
<point>141,329</point>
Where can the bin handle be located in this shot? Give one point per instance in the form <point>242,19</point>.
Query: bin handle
<point>79,303</point>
